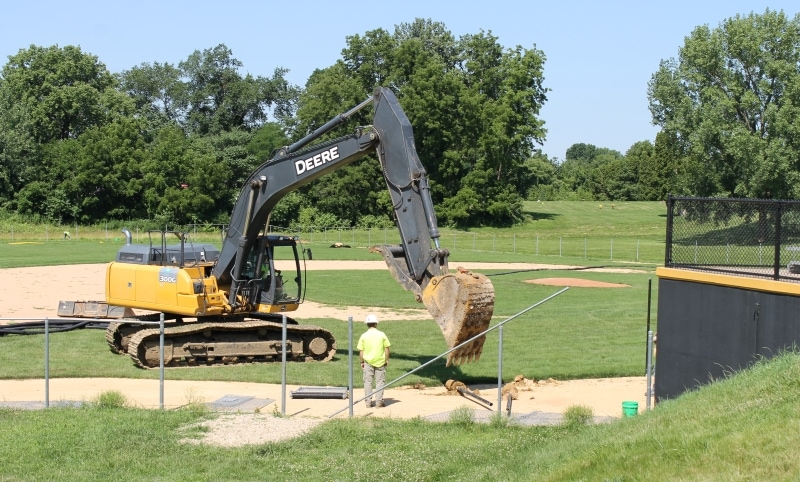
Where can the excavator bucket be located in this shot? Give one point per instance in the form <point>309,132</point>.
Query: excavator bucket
<point>462,304</point>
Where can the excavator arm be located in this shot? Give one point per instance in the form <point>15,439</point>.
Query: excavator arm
<point>461,303</point>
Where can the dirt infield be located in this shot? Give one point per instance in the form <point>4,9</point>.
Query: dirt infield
<point>34,292</point>
<point>575,282</point>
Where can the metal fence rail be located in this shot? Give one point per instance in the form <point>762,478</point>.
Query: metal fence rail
<point>744,237</point>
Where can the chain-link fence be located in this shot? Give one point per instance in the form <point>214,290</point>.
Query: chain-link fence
<point>745,237</point>
<point>490,244</point>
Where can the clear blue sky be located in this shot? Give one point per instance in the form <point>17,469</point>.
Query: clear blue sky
<point>600,55</point>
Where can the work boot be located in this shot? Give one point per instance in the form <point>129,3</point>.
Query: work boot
<point>369,404</point>
<point>381,404</point>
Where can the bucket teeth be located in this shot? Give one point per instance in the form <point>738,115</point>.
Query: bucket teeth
<point>467,353</point>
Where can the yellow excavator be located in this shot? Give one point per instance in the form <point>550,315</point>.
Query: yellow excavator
<point>226,306</point>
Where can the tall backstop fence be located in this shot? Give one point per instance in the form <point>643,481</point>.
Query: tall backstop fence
<point>743,237</point>
<point>728,294</point>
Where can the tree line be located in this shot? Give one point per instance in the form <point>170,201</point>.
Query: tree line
<point>174,143</point>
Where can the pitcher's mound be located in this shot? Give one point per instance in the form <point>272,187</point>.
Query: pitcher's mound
<point>577,282</point>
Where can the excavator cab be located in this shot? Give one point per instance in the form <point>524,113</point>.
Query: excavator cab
<point>272,275</point>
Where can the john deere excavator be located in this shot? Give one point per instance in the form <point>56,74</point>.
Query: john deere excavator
<point>226,306</point>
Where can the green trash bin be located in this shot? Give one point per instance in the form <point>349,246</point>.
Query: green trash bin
<point>629,409</point>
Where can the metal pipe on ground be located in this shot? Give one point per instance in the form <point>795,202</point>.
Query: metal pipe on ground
<point>475,398</point>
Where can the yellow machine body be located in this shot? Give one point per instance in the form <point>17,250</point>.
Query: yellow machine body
<point>171,289</point>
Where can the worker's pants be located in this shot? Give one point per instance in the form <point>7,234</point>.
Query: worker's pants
<point>379,375</point>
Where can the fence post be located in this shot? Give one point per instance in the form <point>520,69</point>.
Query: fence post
<point>560,247</point>
<point>649,364</point>
<point>46,362</point>
<point>500,369</point>
<point>161,361</point>
<point>776,265</point>
<point>668,250</point>
<point>350,362</point>
<point>612,249</point>
<point>283,364</point>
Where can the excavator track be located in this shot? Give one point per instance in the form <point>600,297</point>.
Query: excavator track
<point>230,342</point>
<point>118,334</point>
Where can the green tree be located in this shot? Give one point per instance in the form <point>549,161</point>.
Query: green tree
<point>94,177</point>
<point>217,98</point>
<point>19,152</point>
<point>581,151</point>
<point>49,94</point>
<point>590,172</point>
<point>730,108</point>
<point>60,90</point>
<point>63,121</point>
<point>474,106</point>
<point>184,182</point>
<point>668,160</point>
<point>541,174</point>
<point>266,139</point>
<point>157,90</point>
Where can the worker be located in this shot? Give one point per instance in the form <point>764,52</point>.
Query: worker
<point>373,351</point>
<point>67,236</point>
<point>279,293</point>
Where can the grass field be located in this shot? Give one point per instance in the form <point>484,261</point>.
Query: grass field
<point>556,232</point>
<point>582,333</point>
<point>585,332</point>
<point>744,428</point>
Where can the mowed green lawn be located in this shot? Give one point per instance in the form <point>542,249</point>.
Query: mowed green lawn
<point>738,429</point>
<point>584,332</point>
<point>744,428</point>
<point>564,232</point>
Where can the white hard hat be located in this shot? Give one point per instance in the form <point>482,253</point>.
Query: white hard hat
<point>371,319</point>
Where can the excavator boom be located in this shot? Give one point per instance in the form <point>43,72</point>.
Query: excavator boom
<point>235,294</point>
<point>461,303</point>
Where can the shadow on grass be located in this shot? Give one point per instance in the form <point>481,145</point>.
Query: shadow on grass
<point>541,216</point>
<point>438,371</point>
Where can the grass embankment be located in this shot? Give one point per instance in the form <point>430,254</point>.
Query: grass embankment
<point>744,428</point>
